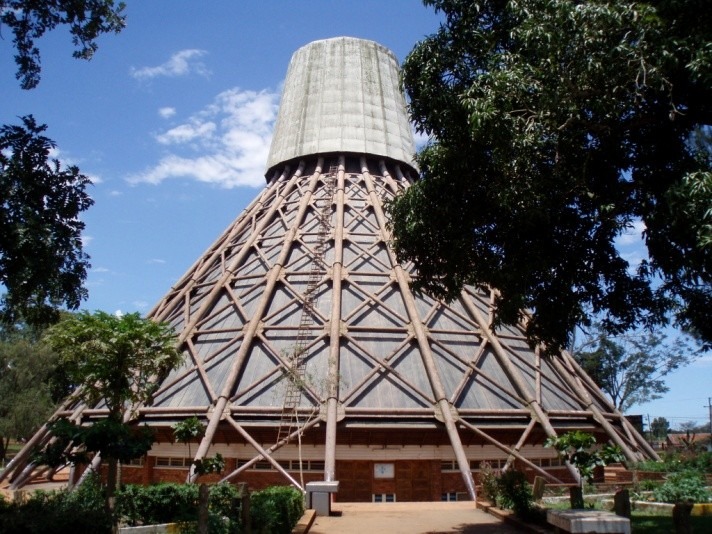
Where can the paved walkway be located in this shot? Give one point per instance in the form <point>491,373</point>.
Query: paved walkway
<point>409,518</point>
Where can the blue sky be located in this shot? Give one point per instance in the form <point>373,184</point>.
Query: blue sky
<point>172,120</point>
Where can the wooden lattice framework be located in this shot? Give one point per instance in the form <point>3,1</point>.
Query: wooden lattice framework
<point>376,352</point>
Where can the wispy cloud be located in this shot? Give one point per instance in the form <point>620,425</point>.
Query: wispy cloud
<point>224,144</point>
<point>167,112</point>
<point>181,63</point>
<point>156,261</point>
<point>186,132</point>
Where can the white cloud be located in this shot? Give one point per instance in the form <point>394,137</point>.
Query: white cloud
<point>156,261</point>
<point>100,270</point>
<point>140,304</point>
<point>115,193</point>
<point>167,112</point>
<point>86,240</point>
<point>181,63</point>
<point>224,144</point>
<point>186,132</point>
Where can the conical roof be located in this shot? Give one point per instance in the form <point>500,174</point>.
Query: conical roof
<point>299,319</point>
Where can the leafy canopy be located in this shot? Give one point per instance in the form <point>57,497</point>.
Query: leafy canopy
<point>114,359</point>
<point>31,385</point>
<point>579,449</point>
<point>42,263</point>
<point>30,19</point>
<point>556,125</point>
<point>631,367</point>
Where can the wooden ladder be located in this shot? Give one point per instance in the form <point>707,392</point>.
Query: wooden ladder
<point>296,375</point>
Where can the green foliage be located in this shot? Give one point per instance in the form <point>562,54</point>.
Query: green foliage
<point>276,510</point>
<point>30,386</point>
<point>489,480</point>
<point>632,367</point>
<point>158,503</point>
<point>29,20</point>
<point>514,492</point>
<point>42,264</point>
<point>184,431</point>
<point>577,448</point>
<point>77,444</point>
<point>682,486</point>
<point>204,466</point>
<point>673,462</point>
<point>660,427</point>
<point>117,360</point>
<point>556,126</point>
<point>60,512</point>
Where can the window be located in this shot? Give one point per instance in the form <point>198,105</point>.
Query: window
<point>448,465</point>
<point>169,461</point>
<point>449,497</point>
<point>289,465</point>
<point>384,497</point>
<point>136,462</point>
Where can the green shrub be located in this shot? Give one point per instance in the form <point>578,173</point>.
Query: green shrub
<point>58,512</point>
<point>682,486</point>
<point>158,503</point>
<point>514,492</point>
<point>276,510</point>
<point>170,502</point>
<point>489,479</point>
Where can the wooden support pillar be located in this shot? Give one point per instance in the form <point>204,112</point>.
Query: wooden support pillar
<point>334,360</point>
<point>443,408</point>
<point>219,410</point>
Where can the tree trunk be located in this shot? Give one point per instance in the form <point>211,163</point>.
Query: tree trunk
<point>681,517</point>
<point>113,465</point>
<point>4,444</point>
<point>576,497</point>
<point>203,494</point>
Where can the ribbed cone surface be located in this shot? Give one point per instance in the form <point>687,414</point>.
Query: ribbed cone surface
<point>342,95</point>
<point>246,297</point>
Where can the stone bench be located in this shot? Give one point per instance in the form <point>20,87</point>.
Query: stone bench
<point>588,521</point>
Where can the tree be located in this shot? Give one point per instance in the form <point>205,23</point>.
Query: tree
<point>631,368</point>
<point>116,362</point>
<point>659,428</point>
<point>42,264</point>
<point>578,448</point>
<point>30,388</point>
<point>29,20</point>
<point>554,126</point>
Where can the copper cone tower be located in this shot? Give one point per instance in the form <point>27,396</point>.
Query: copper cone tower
<point>307,355</point>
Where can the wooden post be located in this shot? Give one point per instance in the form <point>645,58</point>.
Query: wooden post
<point>539,485</point>
<point>203,495</point>
<point>681,517</point>
<point>576,497</point>
<point>621,503</point>
<point>245,508</point>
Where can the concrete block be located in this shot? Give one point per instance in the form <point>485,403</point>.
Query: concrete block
<point>588,521</point>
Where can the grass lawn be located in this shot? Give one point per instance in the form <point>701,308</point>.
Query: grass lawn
<point>641,523</point>
<point>645,522</point>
